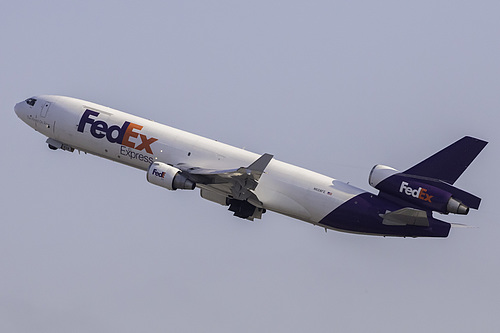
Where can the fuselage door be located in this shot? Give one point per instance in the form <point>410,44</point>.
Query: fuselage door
<point>45,109</point>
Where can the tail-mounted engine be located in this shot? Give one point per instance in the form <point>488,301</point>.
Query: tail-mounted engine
<point>167,176</point>
<point>426,193</point>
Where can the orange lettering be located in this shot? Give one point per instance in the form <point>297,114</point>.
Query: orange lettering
<point>145,143</point>
<point>130,133</point>
<point>422,193</point>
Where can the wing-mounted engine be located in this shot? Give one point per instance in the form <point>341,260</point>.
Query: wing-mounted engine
<point>169,177</point>
<point>233,187</point>
<point>425,193</point>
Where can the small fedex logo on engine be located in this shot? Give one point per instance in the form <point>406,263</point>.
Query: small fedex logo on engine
<point>158,173</point>
<point>123,135</point>
<point>420,193</point>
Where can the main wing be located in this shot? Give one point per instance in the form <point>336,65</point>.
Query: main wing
<point>233,187</point>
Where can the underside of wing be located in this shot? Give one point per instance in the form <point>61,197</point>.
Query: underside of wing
<point>233,187</point>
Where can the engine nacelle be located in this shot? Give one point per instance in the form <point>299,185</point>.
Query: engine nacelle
<point>416,190</point>
<point>167,176</point>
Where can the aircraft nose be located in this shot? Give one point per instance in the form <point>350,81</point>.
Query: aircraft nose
<point>23,109</point>
<point>18,109</point>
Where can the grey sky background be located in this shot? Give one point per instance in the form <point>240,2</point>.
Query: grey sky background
<point>87,245</point>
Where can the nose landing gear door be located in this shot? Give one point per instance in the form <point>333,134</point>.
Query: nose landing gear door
<point>45,109</point>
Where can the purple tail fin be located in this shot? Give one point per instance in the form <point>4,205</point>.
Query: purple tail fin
<point>449,163</point>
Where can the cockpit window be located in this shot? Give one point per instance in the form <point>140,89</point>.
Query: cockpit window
<point>31,101</point>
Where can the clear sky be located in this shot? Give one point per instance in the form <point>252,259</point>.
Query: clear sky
<point>87,245</point>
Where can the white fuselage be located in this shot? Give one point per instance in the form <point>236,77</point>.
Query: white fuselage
<point>283,188</point>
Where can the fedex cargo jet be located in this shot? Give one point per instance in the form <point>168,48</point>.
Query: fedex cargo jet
<point>249,184</point>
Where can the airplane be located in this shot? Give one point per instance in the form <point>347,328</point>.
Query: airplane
<point>250,184</point>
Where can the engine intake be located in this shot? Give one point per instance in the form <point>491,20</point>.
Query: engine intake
<point>169,177</point>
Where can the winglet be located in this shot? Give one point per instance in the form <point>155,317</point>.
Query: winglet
<point>261,163</point>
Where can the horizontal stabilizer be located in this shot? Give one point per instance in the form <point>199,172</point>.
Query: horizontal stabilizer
<point>449,163</point>
<point>460,225</point>
<point>406,216</point>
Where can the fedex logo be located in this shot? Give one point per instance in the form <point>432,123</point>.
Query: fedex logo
<point>114,133</point>
<point>420,193</point>
<point>158,173</point>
